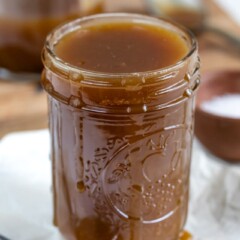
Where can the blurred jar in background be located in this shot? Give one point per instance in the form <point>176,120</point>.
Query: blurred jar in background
<point>189,13</point>
<point>24,25</point>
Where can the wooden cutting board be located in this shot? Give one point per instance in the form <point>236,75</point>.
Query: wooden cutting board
<point>24,107</point>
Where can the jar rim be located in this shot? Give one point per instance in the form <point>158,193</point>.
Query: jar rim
<point>53,38</point>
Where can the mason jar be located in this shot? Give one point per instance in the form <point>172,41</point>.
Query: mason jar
<point>24,25</point>
<point>121,142</point>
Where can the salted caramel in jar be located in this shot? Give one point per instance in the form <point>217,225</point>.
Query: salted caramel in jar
<point>121,99</point>
<point>24,25</point>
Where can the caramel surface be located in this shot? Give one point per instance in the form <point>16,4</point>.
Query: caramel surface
<point>122,48</point>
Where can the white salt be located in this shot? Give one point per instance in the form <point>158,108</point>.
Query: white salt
<point>227,105</point>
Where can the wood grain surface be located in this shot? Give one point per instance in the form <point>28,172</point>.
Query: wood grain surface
<point>23,106</point>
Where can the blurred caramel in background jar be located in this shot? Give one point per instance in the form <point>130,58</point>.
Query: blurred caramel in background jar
<point>24,25</point>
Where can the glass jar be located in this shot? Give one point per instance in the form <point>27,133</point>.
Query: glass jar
<point>121,143</point>
<point>24,25</point>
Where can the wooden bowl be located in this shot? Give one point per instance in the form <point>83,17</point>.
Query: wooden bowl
<point>219,134</point>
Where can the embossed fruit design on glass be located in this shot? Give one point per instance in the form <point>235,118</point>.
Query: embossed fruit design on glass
<point>121,100</point>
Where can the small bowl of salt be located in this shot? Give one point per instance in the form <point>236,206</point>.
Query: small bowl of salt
<point>217,118</point>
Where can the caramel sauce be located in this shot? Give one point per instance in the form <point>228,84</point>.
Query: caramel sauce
<point>122,48</point>
<point>22,39</point>
<point>21,42</point>
<point>120,169</point>
<point>185,236</point>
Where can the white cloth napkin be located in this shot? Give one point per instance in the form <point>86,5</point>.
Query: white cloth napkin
<point>25,192</point>
<point>214,210</point>
<point>25,187</point>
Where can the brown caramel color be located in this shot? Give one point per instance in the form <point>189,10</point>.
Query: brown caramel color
<point>120,163</point>
<point>22,38</point>
<point>185,236</point>
<point>122,48</point>
<point>21,42</point>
